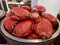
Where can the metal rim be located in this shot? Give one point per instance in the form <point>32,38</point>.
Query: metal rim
<point>26,40</point>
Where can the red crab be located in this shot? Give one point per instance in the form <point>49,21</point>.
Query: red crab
<point>20,12</point>
<point>44,28</point>
<point>40,8</point>
<point>51,18</point>
<point>23,28</point>
<point>9,24</point>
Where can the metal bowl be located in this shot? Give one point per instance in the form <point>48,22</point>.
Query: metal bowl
<point>19,41</point>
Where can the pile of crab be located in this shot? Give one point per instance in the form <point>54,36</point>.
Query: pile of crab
<point>30,23</point>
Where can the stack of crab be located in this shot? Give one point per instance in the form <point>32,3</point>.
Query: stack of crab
<point>30,23</point>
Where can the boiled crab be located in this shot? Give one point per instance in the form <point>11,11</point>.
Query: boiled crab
<point>27,22</point>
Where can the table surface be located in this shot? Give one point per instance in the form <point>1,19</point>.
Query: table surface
<point>3,41</point>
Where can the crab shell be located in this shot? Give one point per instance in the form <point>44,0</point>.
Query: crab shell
<point>9,24</point>
<point>23,28</point>
<point>44,28</point>
<point>51,18</point>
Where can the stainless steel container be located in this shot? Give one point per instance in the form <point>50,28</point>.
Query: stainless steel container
<point>12,40</point>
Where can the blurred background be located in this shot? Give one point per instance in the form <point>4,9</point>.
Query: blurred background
<point>9,4</point>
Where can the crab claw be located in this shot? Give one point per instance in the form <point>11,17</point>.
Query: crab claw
<point>33,36</point>
<point>28,32</point>
<point>15,17</point>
